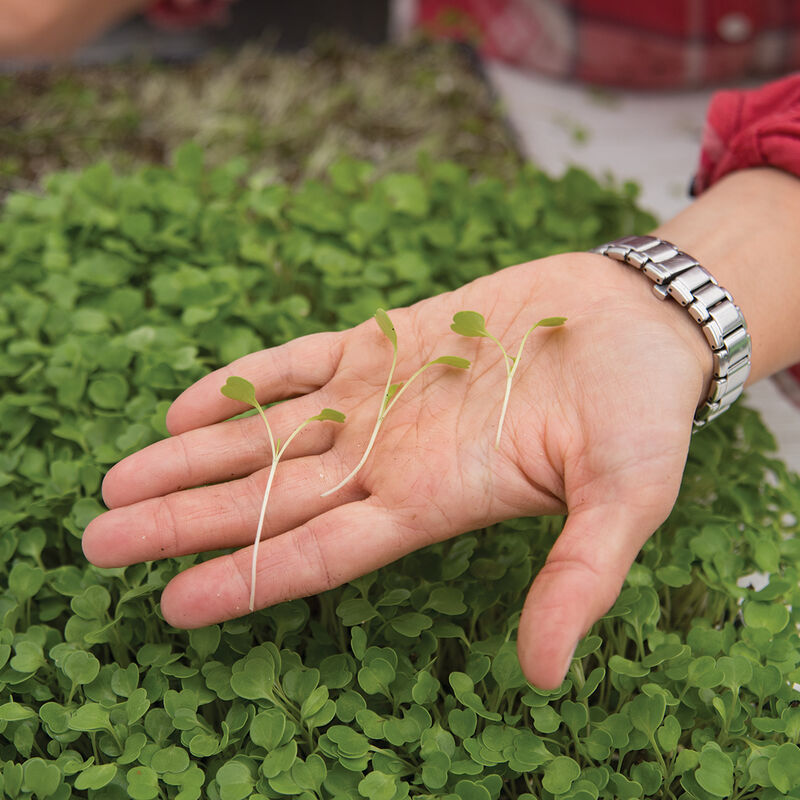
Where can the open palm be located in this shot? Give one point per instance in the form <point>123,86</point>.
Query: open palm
<point>598,426</point>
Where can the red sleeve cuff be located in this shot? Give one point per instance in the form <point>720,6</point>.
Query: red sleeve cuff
<point>751,128</point>
<point>181,14</point>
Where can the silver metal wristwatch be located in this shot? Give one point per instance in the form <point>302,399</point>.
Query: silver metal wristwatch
<point>678,275</point>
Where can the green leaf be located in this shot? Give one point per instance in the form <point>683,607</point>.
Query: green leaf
<point>462,722</point>
<point>329,415</point>
<point>81,667</point>
<point>506,669</point>
<point>393,390</point>
<point>784,767</point>
<point>385,324</point>
<point>237,388</point>
<point>96,777</point>
<point>551,322</point>
<point>376,678</point>
<point>647,713</point>
<point>560,774</point>
<point>205,641</point>
<point>452,361</point>
<point>255,681</point>
<point>235,780</point>
<point>355,611</point>
<point>715,772</point>
<point>469,323</point>
<point>314,702</point>
<point>89,717</point>
<point>594,679</point>
<point>41,777</point>
<point>407,194</point>
<point>546,719</point>
<point>92,603</point>
<point>378,786</point>
<point>772,616</point>
<point>142,783</point>
<point>624,666</point>
<point>575,715</point>
<point>14,712</point>
<point>25,580</point>
<point>471,790</point>
<point>170,759</point>
<point>110,391</point>
<point>463,687</point>
<point>668,734</point>
<point>411,624</point>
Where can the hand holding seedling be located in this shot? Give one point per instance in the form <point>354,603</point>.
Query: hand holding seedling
<point>597,424</point>
<point>243,391</point>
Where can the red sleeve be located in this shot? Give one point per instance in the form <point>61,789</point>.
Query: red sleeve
<point>751,128</point>
<point>180,14</point>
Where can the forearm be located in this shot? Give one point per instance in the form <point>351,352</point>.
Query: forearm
<point>745,230</point>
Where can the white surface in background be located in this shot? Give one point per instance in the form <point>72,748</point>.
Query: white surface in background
<point>652,138</point>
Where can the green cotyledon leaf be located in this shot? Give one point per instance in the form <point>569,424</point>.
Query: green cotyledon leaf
<point>240,389</point>
<point>329,415</point>
<point>469,323</point>
<point>452,361</point>
<point>385,324</point>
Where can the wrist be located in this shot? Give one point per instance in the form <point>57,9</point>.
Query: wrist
<point>677,277</point>
<point>617,296</point>
<point>678,330</point>
<point>744,232</point>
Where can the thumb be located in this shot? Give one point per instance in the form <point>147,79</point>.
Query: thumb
<point>580,581</point>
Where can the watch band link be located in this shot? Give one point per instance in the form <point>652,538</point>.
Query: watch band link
<point>677,275</point>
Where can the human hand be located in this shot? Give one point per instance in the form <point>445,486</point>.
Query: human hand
<point>56,28</point>
<point>598,425</point>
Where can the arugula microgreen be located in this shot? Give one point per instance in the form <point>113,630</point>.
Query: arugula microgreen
<point>237,388</point>
<point>393,391</point>
<point>473,324</point>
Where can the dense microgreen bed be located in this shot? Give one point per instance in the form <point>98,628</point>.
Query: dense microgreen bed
<point>293,113</point>
<point>120,291</point>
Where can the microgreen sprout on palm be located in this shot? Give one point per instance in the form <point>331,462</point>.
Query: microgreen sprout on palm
<point>237,388</point>
<point>473,324</point>
<point>393,391</point>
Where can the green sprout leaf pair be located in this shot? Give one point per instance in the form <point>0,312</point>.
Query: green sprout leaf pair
<point>393,391</point>
<point>473,324</point>
<point>237,388</point>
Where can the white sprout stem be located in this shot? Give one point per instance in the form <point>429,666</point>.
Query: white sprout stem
<point>378,421</point>
<point>509,379</point>
<point>509,362</point>
<point>259,529</point>
<point>273,465</point>
<point>296,431</point>
<point>503,411</point>
<point>269,430</point>
<point>404,387</point>
<point>275,458</point>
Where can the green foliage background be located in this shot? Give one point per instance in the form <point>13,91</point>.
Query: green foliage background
<point>118,293</point>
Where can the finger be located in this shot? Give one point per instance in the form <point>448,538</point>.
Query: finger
<point>329,550</point>
<point>215,517</point>
<point>295,368</point>
<point>215,453</point>
<point>580,582</point>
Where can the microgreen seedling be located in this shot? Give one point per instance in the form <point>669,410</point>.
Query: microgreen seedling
<point>393,391</point>
<point>237,388</point>
<point>471,323</point>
